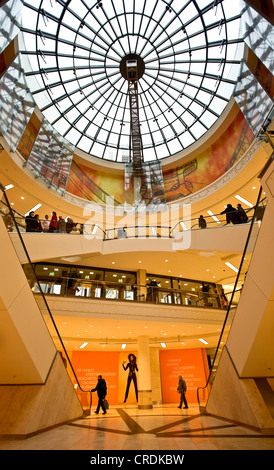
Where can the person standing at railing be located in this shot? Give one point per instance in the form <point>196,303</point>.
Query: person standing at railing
<point>242,214</point>
<point>53,223</point>
<point>45,224</point>
<point>231,214</point>
<point>202,222</point>
<point>38,226</point>
<point>224,301</point>
<point>61,224</point>
<point>30,222</point>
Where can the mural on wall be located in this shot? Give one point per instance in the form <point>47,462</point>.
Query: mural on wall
<point>179,182</point>
<point>211,164</point>
<point>95,186</point>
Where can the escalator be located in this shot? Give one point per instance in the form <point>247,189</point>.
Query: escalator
<point>240,385</point>
<point>36,387</point>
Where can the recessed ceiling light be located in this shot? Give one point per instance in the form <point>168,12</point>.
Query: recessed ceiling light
<point>244,201</point>
<point>9,186</point>
<point>123,346</point>
<point>83,345</point>
<point>113,262</point>
<point>203,341</point>
<point>22,197</point>
<point>163,345</point>
<point>232,267</point>
<point>213,216</point>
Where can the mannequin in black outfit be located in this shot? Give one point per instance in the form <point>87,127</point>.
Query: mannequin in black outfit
<point>131,365</point>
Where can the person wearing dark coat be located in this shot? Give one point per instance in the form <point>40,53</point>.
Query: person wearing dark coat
<point>30,222</point>
<point>132,366</point>
<point>242,214</point>
<point>231,214</point>
<point>182,390</point>
<point>202,222</point>
<point>101,389</point>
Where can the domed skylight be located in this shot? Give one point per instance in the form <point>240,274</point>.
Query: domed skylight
<point>188,62</point>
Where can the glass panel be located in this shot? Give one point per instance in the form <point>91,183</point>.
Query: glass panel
<point>178,45</point>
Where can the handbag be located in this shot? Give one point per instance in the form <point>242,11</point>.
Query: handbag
<point>106,405</point>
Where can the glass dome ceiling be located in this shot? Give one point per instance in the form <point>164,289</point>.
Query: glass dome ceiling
<point>188,63</point>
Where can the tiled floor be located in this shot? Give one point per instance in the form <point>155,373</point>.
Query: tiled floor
<point>163,428</point>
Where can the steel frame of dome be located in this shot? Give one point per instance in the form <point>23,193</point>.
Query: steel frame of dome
<point>76,55</point>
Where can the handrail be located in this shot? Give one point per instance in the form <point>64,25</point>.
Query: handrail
<point>232,296</point>
<point>41,291</point>
<point>159,228</point>
<point>136,287</point>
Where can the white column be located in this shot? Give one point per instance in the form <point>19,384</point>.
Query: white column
<point>144,375</point>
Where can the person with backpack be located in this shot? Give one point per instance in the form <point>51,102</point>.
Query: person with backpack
<point>101,389</point>
<point>182,390</point>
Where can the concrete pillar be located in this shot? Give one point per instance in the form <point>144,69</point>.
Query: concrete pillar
<point>144,376</point>
<point>141,282</point>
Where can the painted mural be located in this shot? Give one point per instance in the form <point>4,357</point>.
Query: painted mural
<point>211,164</point>
<point>95,186</point>
<point>179,182</point>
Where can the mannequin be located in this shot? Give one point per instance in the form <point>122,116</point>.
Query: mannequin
<point>132,366</point>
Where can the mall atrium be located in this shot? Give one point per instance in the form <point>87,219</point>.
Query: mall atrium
<point>127,131</point>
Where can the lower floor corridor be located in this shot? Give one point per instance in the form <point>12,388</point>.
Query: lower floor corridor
<point>163,428</point>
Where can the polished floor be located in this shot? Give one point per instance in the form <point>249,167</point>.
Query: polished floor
<point>165,427</point>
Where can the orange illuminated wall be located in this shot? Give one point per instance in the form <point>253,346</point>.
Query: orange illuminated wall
<point>88,365</point>
<point>94,185</point>
<point>211,164</point>
<point>191,364</point>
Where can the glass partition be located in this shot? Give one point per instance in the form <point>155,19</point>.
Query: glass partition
<point>44,287</point>
<point>230,301</point>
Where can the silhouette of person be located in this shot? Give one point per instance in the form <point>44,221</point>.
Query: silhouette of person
<point>132,366</point>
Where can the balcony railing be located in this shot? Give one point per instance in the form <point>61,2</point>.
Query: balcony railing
<point>90,289</point>
<point>133,231</point>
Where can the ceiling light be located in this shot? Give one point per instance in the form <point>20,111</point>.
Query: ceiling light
<point>203,341</point>
<point>9,186</point>
<point>183,226</point>
<point>163,345</point>
<point>244,201</point>
<point>22,197</point>
<point>232,267</point>
<point>213,216</point>
<point>35,208</point>
<point>123,346</point>
<point>83,345</point>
